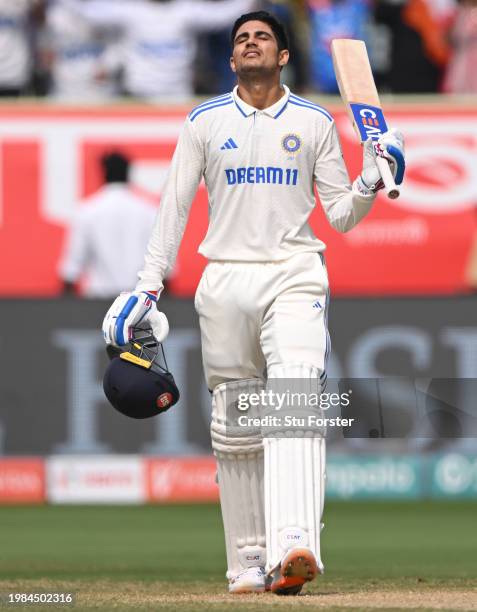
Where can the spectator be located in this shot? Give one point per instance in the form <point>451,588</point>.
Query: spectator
<point>289,13</point>
<point>419,50</point>
<point>107,237</point>
<point>443,11</point>
<point>75,54</point>
<point>16,57</point>
<point>159,39</point>
<point>333,19</point>
<point>461,76</point>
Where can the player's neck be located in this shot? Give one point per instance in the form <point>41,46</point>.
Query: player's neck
<point>260,94</point>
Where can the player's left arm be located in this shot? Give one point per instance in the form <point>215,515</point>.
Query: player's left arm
<point>345,204</point>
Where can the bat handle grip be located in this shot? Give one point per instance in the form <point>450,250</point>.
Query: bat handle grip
<point>392,190</point>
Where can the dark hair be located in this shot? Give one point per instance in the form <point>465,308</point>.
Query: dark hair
<point>276,27</point>
<point>115,167</point>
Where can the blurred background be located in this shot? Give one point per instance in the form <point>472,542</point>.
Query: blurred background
<point>95,93</point>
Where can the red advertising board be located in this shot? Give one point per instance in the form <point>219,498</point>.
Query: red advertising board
<point>22,481</point>
<point>181,479</point>
<point>419,244</point>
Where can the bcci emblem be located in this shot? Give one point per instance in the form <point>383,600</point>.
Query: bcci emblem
<point>291,143</point>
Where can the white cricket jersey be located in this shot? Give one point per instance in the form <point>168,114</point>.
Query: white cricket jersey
<point>107,241</point>
<point>260,168</point>
<point>15,60</point>
<point>159,38</point>
<point>79,53</point>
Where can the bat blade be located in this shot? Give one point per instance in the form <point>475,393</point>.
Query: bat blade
<point>358,91</point>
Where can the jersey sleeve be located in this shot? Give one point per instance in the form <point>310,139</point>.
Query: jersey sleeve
<point>344,207</point>
<point>182,181</point>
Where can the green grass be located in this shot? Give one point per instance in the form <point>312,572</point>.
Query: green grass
<point>178,551</point>
<point>122,543</point>
<point>391,541</point>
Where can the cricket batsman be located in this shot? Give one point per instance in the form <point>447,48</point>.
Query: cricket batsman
<point>263,298</point>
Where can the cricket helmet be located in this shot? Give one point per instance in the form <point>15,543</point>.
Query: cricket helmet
<point>137,381</point>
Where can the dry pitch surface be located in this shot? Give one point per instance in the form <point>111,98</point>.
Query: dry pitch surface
<point>107,595</point>
<point>392,556</point>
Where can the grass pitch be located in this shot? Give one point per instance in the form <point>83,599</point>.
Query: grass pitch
<point>407,555</point>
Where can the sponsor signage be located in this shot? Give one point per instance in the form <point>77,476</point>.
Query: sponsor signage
<point>22,481</point>
<point>126,479</point>
<point>373,476</point>
<point>181,479</point>
<point>102,479</point>
<point>424,238</point>
<point>385,476</point>
<point>454,475</point>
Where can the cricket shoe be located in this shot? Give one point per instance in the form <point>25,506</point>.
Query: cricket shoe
<point>297,567</point>
<point>251,580</point>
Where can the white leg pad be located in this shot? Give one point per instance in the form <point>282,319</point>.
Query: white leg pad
<point>294,482</point>
<point>239,454</point>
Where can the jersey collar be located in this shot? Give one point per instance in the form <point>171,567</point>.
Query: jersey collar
<point>273,111</point>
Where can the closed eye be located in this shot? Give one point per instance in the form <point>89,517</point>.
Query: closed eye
<point>245,36</point>
<point>241,38</point>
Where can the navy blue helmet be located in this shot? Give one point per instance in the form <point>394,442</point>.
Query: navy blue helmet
<point>137,381</point>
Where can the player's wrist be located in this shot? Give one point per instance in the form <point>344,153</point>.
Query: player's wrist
<point>153,295</point>
<point>151,289</point>
<point>363,189</point>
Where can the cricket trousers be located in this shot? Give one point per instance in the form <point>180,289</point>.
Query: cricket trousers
<point>260,321</point>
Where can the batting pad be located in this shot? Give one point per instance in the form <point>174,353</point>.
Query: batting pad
<point>239,454</point>
<point>294,478</point>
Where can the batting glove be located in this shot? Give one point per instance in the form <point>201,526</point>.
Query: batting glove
<point>390,146</point>
<point>133,309</point>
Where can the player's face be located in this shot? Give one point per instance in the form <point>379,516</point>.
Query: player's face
<point>256,50</point>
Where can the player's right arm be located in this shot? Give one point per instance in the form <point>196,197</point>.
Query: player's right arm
<point>139,307</point>
<point>182,182</point>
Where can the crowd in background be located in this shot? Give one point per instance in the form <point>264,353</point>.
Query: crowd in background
<point>96,50</point>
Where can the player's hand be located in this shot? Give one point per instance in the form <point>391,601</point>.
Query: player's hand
<point>390,146</point>
<point>133,309</point>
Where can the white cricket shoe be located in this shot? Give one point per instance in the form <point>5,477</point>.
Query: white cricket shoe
<point>297,567</point>
<point>251,580</point>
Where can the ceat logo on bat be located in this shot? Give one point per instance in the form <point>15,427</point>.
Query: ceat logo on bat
<point>370,121</point>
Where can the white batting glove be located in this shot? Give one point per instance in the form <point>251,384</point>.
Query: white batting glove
<point>133,309</point>
<point>390,146</point>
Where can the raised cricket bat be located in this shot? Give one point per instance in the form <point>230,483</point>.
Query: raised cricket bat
<point>359,93</point>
